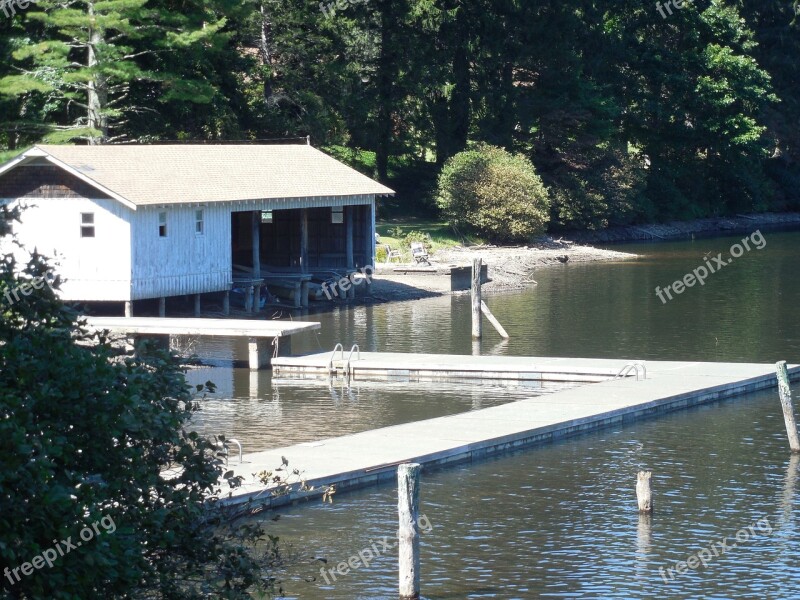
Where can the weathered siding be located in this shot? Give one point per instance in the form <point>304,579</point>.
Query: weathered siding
<point>97,268</point>
<point>183,262</point>
<point>44,181</point>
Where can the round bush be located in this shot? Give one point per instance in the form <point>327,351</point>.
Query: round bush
<point>493,193</point>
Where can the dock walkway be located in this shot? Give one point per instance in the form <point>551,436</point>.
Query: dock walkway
<point>397,366</point>
<point>259,333</point>
<point>371,457</point>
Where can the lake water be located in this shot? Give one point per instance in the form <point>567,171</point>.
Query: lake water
<point>560,521</point>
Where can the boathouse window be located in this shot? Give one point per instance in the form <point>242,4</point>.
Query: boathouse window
<point>162,224</point>
<point>337,214</point>
<point>87,225</point>
<point>199,225</point>
<point>266,216</point>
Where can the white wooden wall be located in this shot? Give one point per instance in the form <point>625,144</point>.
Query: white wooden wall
<point>183,262</point>
<point>128,260</point>
<point>97,268</point>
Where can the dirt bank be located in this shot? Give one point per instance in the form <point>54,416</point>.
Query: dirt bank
<point>509,267</point>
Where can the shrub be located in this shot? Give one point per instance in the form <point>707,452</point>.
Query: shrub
<point>494,193</point>
<point>86,434</point>
<point>416,236</point>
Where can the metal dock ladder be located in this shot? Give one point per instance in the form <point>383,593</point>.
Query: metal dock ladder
<point>342,367</point>
<point>635,366</point>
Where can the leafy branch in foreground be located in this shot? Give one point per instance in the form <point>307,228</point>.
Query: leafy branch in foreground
<point>87,431</point>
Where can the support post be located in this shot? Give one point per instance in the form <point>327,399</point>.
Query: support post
<point>162,307</point>
<point>298,293</point>
<point>477,332</point>
<point>785,392</point>
<point>256,226</point>
<point>261,350</point>
<point>304,240</point>
<point>348,220</point>
<point>248,299</point>
<point>197,305</point>
<point>258,353</point>
<point>644,494</point>
<point>408,532</point>
<point>304,293</point>
<point>226,303</point>
<point>257,298</point>
<point>129,308</point>
<point>369,234</point>
<point>485,310</point>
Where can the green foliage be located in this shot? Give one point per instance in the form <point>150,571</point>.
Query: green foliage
<point>416,236</point>
<point>632,117</point>
<point>87,433</point>
<point>495,193</point>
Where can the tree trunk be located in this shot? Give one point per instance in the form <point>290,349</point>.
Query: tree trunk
<point>385,79</point>
<point>263,50</point>
<point>459,101</point>
<point>97,99</point>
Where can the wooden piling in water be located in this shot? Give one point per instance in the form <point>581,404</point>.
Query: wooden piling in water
<point>785,392</point>
<point>477,331</point>
<point>644,494</point>
<point>408,531</point>
<point>493,320</point>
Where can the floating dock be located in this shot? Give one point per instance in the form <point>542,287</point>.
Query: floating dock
<point>262,335</point>
<point>396,366</point>
<point>370,457</point>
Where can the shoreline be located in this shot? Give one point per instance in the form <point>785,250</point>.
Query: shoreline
<point>675,230</point>
<point>509,268</point>
<point>512,267</point>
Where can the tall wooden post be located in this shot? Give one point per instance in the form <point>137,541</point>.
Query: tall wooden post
<point>369,234</point>
<point>644,494</point>
<point>197,305</point>
<point>129,308</point>
<point>785,392</point>
<point>304,240</point>
<point>348,220</point>
<point>162,307</point>
<point>408,532</point>
<point>256,225</point>
<point>477,264</point>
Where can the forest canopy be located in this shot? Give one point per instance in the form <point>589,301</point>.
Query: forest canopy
<point>629,111</point>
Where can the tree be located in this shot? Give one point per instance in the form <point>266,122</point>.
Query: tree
<point>87,432</point>
<point>92,53</point>
<point>494,193</point>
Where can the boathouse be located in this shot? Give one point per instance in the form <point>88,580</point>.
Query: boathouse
<point>136,222</point>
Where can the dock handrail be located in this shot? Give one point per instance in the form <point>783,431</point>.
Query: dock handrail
<point>225,448</point>
<point>333,355</point>
<point>356,349</point>
<point>625,371</point>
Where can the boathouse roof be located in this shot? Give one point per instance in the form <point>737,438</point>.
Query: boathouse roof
<point>141,175</point>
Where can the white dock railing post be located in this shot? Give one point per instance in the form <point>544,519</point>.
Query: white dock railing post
<point>408,532</point>
<point>785,392</point>
<point>477,265</point>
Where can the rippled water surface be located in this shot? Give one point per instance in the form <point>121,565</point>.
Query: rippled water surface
<point>560,521</point>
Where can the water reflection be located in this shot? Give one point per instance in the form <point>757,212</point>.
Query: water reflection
<point>264,412</point>
<point>561,521</point>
